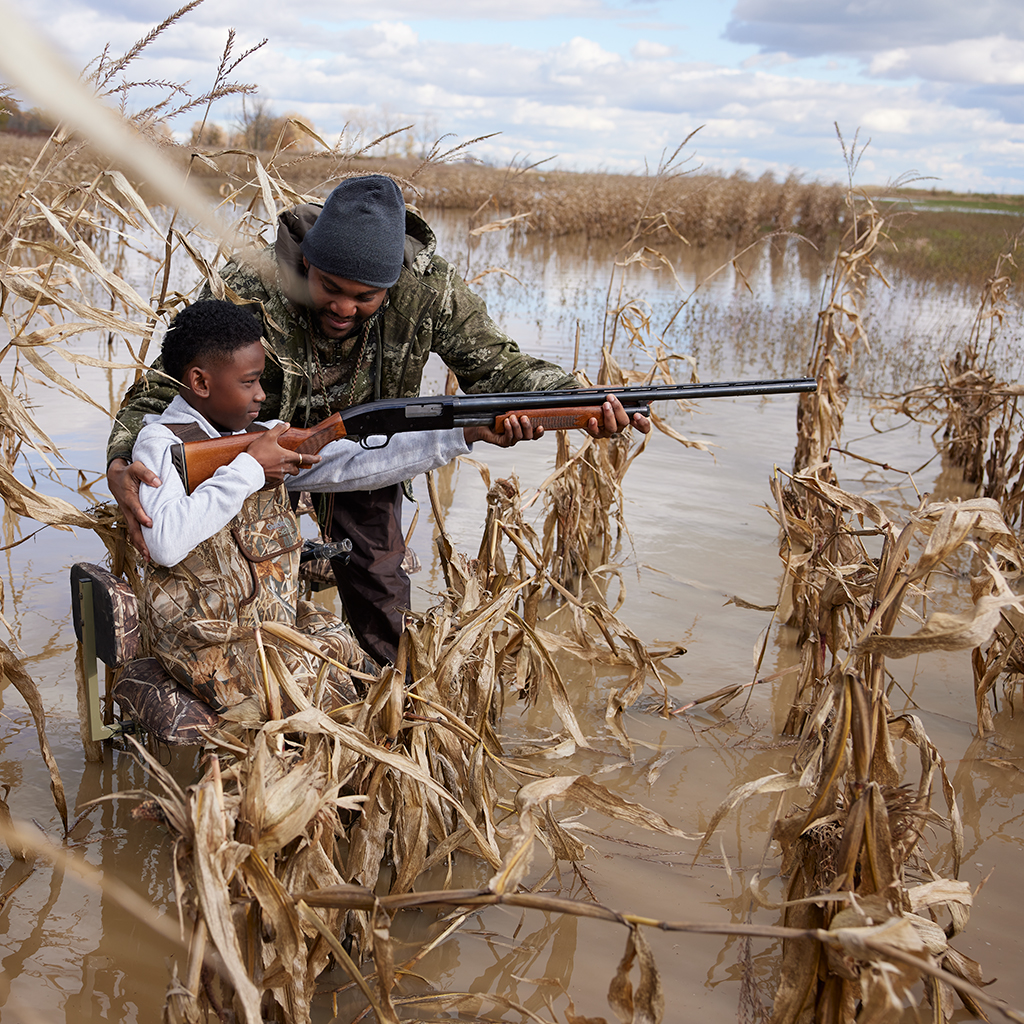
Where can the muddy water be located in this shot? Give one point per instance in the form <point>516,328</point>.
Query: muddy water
<point>696,539</point>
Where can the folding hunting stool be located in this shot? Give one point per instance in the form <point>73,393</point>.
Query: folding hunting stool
<point>106,618</point>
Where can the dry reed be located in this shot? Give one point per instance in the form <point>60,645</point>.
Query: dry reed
<point>850,849</point>
<point>697,207</point>
<point>700,208</point>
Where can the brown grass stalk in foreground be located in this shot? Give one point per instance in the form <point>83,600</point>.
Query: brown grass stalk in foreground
<point>881,944</point>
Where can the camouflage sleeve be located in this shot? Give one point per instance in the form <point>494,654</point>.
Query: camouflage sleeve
<point>483,357</point>
<point>155,392</point>
<point>152,394</point>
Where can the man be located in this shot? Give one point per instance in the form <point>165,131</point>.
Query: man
<point>353,299</point>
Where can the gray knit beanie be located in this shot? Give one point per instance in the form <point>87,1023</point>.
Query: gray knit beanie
<point>360,233</point>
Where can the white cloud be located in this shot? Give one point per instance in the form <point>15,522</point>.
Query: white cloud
<point>992,60</point>
<point>890,62</point>
<point>887,120</point>
<point>647,49</point>
<point>496,10</point>
<point>547,116</point>
<point>581,54</point>
<point>609,111</point>
<point>945,106</point>
<point>393,40</point>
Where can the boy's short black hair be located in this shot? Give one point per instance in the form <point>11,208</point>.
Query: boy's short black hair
<point>213,328</point>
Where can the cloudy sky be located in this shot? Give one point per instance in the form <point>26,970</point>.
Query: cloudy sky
<point>936,85</point>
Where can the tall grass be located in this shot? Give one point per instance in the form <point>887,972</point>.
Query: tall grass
<point>698,207</point>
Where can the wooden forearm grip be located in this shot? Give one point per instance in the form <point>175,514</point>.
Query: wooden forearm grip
<point>553,419</point>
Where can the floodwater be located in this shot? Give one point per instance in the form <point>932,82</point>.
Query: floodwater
<point>697,536</point>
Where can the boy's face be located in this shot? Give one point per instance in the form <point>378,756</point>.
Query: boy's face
<point>227,391</point>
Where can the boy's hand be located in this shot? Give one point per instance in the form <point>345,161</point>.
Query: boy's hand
<point>278,462</point>
<point>614,420</point>
<point>124,480</point>
<point>514,429</point>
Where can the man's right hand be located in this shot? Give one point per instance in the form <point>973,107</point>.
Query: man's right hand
<point>277,462</point>
<point>124,480</point>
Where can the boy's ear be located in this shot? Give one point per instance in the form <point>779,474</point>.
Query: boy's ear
<point>197,380</point>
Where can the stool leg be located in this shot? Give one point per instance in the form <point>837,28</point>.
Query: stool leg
<point>97,730</point>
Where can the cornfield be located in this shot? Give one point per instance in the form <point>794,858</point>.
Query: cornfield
<point>851,854</point>
<point>306,835</point>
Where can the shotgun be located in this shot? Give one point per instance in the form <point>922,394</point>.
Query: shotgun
<point>373,423</point>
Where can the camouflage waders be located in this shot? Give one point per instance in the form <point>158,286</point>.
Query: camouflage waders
<point>201,613</point>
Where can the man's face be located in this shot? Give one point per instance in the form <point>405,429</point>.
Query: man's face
<point>342,306</point>
<point>227,391</point>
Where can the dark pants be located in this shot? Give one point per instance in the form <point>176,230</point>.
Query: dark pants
<point>374,587</point>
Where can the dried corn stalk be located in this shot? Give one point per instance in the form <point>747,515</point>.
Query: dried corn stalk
<point>839,330</point>
<point>849,848</point>
<point>854,840</point>
<point>315,802</point>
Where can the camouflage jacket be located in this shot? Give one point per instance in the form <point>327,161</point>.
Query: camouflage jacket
<point>308,376</point>
<point>201,614</point>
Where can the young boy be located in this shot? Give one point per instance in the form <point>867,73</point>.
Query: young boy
<point>225,557</point>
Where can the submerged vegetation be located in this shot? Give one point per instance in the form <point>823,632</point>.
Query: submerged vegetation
<point>307,834</point>
<point>958,246</point>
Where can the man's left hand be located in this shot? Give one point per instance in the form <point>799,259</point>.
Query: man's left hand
<point>614,419</point>
<point>514,429</point>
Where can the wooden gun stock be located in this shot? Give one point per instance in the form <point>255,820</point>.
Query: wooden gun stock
<point>197,461</point>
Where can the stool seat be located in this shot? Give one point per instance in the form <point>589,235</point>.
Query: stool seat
<point>146,694</point>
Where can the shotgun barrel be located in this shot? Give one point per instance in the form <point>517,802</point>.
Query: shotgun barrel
<point>197,461</point>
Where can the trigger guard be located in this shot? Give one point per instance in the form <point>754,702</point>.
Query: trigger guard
<point>364,442</point>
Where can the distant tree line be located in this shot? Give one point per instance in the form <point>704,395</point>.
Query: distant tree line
<point>257,128</point>
<point>23,122</point>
